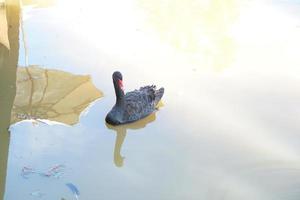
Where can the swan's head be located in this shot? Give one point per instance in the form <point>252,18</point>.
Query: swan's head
<point>118,79</point>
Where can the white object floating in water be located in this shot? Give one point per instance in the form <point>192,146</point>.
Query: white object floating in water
<point>37,193</point>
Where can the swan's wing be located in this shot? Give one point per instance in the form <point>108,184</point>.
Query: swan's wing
<point>139,103</point>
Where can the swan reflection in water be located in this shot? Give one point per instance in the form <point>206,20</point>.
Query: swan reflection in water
<point>121,132</point>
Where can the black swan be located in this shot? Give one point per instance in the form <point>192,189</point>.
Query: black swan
<point>133,105</point>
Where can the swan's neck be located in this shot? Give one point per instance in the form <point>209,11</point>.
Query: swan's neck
<point>119,95</point>
<point>120,101</point>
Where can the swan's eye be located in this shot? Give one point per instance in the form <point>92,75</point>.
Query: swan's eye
<point>120,82</point>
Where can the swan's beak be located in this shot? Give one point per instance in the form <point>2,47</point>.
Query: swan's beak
<point>120,82</point>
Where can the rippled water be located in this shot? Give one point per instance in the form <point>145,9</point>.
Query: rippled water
<point>227,127</point>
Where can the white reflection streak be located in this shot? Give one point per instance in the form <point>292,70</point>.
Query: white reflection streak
<point>247,129</point>
<point>232,188</point>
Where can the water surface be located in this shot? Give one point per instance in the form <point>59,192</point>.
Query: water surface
<point>227,129</point>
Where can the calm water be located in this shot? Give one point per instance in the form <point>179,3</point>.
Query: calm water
<point>228,125</point>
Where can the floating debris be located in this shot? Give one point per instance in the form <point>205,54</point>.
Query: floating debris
<point>37,193</point>
<point>55,171</point>
<point>22,116</point>
<point>26,171</point>
<point>74,189</point>
<point>34,120</point>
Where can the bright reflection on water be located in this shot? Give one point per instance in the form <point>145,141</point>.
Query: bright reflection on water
<point>229,125</point>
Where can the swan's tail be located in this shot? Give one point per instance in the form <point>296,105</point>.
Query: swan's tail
<point>158,95</point>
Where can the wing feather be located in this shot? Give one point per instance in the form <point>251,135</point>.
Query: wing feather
<point>139,103</point>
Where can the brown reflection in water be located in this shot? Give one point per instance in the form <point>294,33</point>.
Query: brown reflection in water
<point>9,54</point>
<point>52,95</point>
<point>121,132</point>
